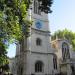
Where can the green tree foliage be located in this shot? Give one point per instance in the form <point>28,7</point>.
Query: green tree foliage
<point>13,18</point>
<point>5,67</point>
<point>13,21</point>
<point>46,5</point>
<point>65,34</point>
<point>3,56</point>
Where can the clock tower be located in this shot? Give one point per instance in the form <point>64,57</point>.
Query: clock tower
<point>36,54</point>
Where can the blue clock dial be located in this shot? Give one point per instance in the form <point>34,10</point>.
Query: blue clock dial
<point>38,24</point>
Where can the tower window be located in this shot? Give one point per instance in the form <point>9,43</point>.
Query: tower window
<point>65,51</point>
<point>36,7</point>
<point>20,70</point>
<point>55,61</point>
<point>38,66</point>
<point>38,42</point>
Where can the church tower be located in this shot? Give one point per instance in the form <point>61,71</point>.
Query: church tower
<point>35,57</point>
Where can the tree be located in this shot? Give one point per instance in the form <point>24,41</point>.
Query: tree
<point>13,21</point>
<point>4,68</point>
<point>46,5</point>
<point>13,13</point>
<point>3,56</point>
<point>65,34</point>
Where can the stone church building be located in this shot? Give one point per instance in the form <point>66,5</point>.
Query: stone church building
<point>38,55</point>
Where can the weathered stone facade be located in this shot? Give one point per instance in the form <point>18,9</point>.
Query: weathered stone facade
<point>37,55</point>
<point>34,54</point>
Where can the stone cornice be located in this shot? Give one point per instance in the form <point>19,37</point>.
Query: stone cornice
<point>34,52</point>
<point>41,32</point>
<point>46,20</point>
<point>38,52</point>
<point>42,53</point>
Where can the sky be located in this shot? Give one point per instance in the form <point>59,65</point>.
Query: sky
<point>63,16</point>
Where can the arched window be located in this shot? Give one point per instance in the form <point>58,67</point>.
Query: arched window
<point>38,42</point>
<point>20,70</point>
<point>36,7</point>
<point>38,66</point>
<point>55,61</point>
<point>65,51</point>
<point>72,67</point>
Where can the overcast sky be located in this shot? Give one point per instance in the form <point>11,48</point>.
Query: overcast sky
<point>63,16</point>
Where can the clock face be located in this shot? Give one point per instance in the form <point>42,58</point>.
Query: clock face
<point>38,24</point>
